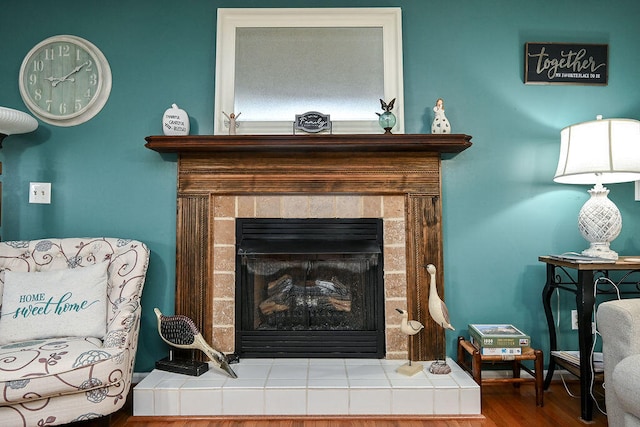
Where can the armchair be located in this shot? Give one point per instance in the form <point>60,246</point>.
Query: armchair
<point>67,376</point>
<point>619,325</point>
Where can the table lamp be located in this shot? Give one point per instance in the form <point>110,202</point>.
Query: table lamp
<point>599,152</point>
<point>14,121</point>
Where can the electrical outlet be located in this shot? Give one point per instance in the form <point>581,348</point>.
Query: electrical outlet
<point>40,192</point>
<point>574,319</point>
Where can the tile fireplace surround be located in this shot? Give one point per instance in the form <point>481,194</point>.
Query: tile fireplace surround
<point>393,177</point>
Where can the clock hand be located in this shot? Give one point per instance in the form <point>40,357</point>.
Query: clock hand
<point>63,79</point>
<point>55,80</point>
<point>52,79</point>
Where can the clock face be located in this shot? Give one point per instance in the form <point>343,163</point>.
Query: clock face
<point>65,80</point>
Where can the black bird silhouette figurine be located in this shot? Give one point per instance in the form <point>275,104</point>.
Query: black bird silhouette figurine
<point>181,332</point>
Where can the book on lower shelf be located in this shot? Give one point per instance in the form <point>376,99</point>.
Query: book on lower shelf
<point>497,351</point>
<point>502,336</point>
<point>573,357</point>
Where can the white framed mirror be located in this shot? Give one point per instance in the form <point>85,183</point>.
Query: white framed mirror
<point>272,64</point>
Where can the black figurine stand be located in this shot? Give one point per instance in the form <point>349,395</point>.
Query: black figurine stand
<point>195,368</point>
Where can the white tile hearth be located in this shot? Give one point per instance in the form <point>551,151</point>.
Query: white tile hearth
<point>309,387</point>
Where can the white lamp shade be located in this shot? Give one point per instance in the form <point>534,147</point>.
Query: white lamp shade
<point>14,121</point>
<point>600,151</point>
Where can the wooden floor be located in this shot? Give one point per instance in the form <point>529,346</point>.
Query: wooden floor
<point>502,406</point>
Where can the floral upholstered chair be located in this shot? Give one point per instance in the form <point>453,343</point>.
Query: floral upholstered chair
<point>69,324</point>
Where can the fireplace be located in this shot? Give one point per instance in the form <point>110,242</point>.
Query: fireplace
<point>222,177</point>
<point>309,288</point>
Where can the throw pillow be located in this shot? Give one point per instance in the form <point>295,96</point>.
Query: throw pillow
<point>52,304</point>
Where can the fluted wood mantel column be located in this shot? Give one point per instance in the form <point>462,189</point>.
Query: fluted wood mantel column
<point>408,165</point>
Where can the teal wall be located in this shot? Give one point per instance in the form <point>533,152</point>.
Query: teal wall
<point>501,207</point>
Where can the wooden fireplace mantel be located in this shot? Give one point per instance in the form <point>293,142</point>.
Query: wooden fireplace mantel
<point>452,143</point>
<point>222,165</point>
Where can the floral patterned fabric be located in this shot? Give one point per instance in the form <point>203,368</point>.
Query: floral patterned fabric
<point>60,380</point>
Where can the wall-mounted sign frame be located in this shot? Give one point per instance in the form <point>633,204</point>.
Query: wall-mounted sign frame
<point>566,63</point>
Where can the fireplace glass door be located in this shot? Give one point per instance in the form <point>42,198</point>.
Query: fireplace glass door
<point>310,291</point>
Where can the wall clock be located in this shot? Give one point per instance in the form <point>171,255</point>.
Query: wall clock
<point>65,80</point>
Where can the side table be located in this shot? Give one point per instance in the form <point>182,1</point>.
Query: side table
<point>466,350</point>
<point>583,280</point>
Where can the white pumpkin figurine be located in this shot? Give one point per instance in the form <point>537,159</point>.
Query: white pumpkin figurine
<point>175,121</point>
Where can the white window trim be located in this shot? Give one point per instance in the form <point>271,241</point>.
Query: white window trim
<point>390,19</point>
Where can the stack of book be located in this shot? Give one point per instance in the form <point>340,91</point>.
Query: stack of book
<point>498,340</point>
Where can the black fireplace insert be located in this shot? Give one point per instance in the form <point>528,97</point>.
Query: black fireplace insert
<point>309,288</point>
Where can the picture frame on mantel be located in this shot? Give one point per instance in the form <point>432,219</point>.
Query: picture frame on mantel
<point>566,64</point>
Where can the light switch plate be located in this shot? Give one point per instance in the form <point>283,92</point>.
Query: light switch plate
<point>40,192</point>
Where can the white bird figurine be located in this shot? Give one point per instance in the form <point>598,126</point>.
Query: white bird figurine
<point>440,315</point>
<point>437,309</point>
<point>181,332</point>
<point>409,327</point>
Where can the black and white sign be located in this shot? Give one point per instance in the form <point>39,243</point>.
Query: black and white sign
<point>566,63</point>
<point>312,121</point>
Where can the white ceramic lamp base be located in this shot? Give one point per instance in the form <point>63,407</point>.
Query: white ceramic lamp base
<point>600,223</point>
